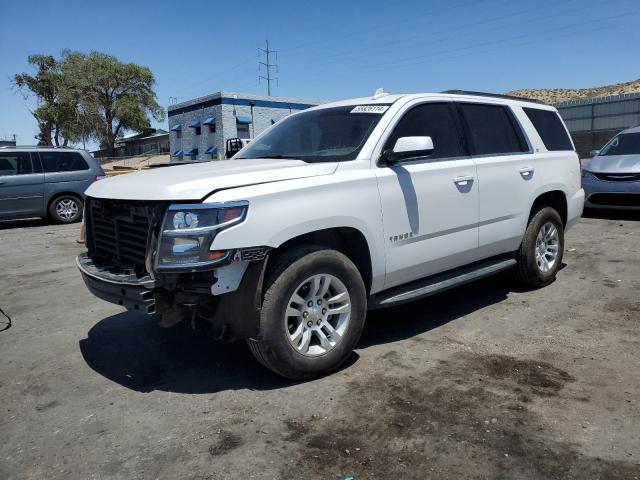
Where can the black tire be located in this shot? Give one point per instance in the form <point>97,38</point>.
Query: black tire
<point>527,270</point>
<point>56,216</point>
<point>272,347</point>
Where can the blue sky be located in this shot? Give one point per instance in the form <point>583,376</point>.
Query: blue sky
<point>329,49</point>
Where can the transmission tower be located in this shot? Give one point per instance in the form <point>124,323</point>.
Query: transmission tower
<point>269,67</point>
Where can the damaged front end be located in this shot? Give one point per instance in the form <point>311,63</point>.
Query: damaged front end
<point>157,259</point>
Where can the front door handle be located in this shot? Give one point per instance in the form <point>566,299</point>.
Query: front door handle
<point>463,180</point>
<point>526,172</point>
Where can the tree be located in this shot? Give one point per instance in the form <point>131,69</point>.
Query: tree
<point>56,110</point>
<point>113,95</point>
<point>88,95</point>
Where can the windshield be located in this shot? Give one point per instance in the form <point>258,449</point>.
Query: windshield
<point>324,135</point>
<point>623,144</point>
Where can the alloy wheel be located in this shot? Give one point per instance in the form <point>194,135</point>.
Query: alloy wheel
<point>546,249</point>
<point>317,315</point>
<point>67,209</point>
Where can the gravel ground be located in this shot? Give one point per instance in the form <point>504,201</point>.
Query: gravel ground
<point>485,381</point>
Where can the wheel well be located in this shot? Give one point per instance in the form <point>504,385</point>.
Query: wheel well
<point>346,240</point>
<point>62,194</point>
<point>555,199</point>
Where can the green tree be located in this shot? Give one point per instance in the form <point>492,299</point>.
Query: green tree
<point>113,96</point>
<point>55,110</point>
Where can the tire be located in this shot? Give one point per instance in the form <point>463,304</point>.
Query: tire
<point>275,346</point>
<point>66,209</point>
<point>530,268</point>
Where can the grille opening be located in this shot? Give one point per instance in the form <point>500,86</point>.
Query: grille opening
<point>618,177</point>
<point>119,233</point>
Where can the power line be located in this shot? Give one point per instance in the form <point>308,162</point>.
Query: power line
<point>268,66</point>
<point>539,35</point>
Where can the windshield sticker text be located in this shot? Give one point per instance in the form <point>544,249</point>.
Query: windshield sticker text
<point>370,109</point>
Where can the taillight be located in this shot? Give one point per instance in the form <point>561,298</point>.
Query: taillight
<point>99,177</point>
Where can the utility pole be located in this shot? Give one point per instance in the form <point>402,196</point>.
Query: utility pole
<point>268,66</point>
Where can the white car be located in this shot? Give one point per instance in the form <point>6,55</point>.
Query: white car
<point>341,208</point>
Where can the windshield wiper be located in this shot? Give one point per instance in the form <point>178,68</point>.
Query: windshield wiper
<point>279,157</point>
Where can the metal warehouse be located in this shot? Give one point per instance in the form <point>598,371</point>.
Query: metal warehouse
<point>199,128</point>
<point>594,121</point>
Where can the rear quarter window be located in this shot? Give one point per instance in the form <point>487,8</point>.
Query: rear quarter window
<point>63,162</point>
<point>492,129</point>
<point>550,128</point>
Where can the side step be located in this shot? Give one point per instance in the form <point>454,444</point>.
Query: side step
<point>442,281</point>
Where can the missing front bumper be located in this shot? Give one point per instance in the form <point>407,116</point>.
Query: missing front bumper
<point>119,288</point>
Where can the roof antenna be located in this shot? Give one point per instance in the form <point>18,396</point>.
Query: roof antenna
<point>379,93</point>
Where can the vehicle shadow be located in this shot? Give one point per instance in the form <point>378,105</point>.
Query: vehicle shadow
<point>415,318</point>
<point>131,350</point>
<point>23,223</point>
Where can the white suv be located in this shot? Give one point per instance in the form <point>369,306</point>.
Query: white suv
<point>335,210</point>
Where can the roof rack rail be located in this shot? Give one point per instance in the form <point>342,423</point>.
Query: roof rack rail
<point>493,95</point>
<point>37,146</point>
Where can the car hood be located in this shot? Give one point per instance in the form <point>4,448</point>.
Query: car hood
<point>198,180</point>
<point>614,164</point>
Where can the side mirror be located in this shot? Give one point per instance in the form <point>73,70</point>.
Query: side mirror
<point>595,153</point>
<point>409,147</point>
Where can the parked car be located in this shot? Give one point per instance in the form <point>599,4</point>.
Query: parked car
<point>341,208</point>
<point>45,182</point>
<point>611,179</point>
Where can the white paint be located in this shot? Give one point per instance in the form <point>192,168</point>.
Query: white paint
<point>452,212</point>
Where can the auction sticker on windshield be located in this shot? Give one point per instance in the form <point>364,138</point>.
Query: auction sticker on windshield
<point>370,109</point>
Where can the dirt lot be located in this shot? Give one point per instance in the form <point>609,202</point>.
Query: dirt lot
<point>486,381</point>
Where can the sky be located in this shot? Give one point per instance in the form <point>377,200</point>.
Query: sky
<point>328,50</point>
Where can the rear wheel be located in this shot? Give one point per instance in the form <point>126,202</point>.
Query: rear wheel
<point>541,250</point>
<point>312,315</point>
<point>66,209</point>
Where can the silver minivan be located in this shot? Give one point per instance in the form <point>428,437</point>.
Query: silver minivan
<point>611,179</point>
<point>45,182</point>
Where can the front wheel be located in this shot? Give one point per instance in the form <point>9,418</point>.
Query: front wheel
<point>540,254</point>
<point>312,314</point>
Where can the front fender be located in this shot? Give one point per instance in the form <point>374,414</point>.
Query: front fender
<point>281,212</point>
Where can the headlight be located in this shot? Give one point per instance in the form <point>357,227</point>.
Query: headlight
<point>189,230</point>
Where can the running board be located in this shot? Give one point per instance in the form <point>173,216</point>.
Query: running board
<point>438,283</point>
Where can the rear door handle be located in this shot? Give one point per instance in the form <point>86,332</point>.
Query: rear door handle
<point>526,171</point>
<point>463,180</point>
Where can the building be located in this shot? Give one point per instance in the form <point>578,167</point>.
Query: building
<point>592,122</point>
<point>199,128</point>
<point>7,143</point>
<point>150,141</point>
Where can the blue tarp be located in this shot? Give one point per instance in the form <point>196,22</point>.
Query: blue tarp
<point>244,119</point>
<point>176,128</point>
<point>194,124</point>
<point>210,121</point>
<point>192,152</point>
<point>178,153</point>
<point>211,150</point>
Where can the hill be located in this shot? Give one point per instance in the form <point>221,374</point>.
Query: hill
<point>557,95</point>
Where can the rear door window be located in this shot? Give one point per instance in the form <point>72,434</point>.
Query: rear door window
<point>63,162</point>
<point>550,128</point>
<point>435,120</point>
<point>17,163</point>
<point>492,129</point>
